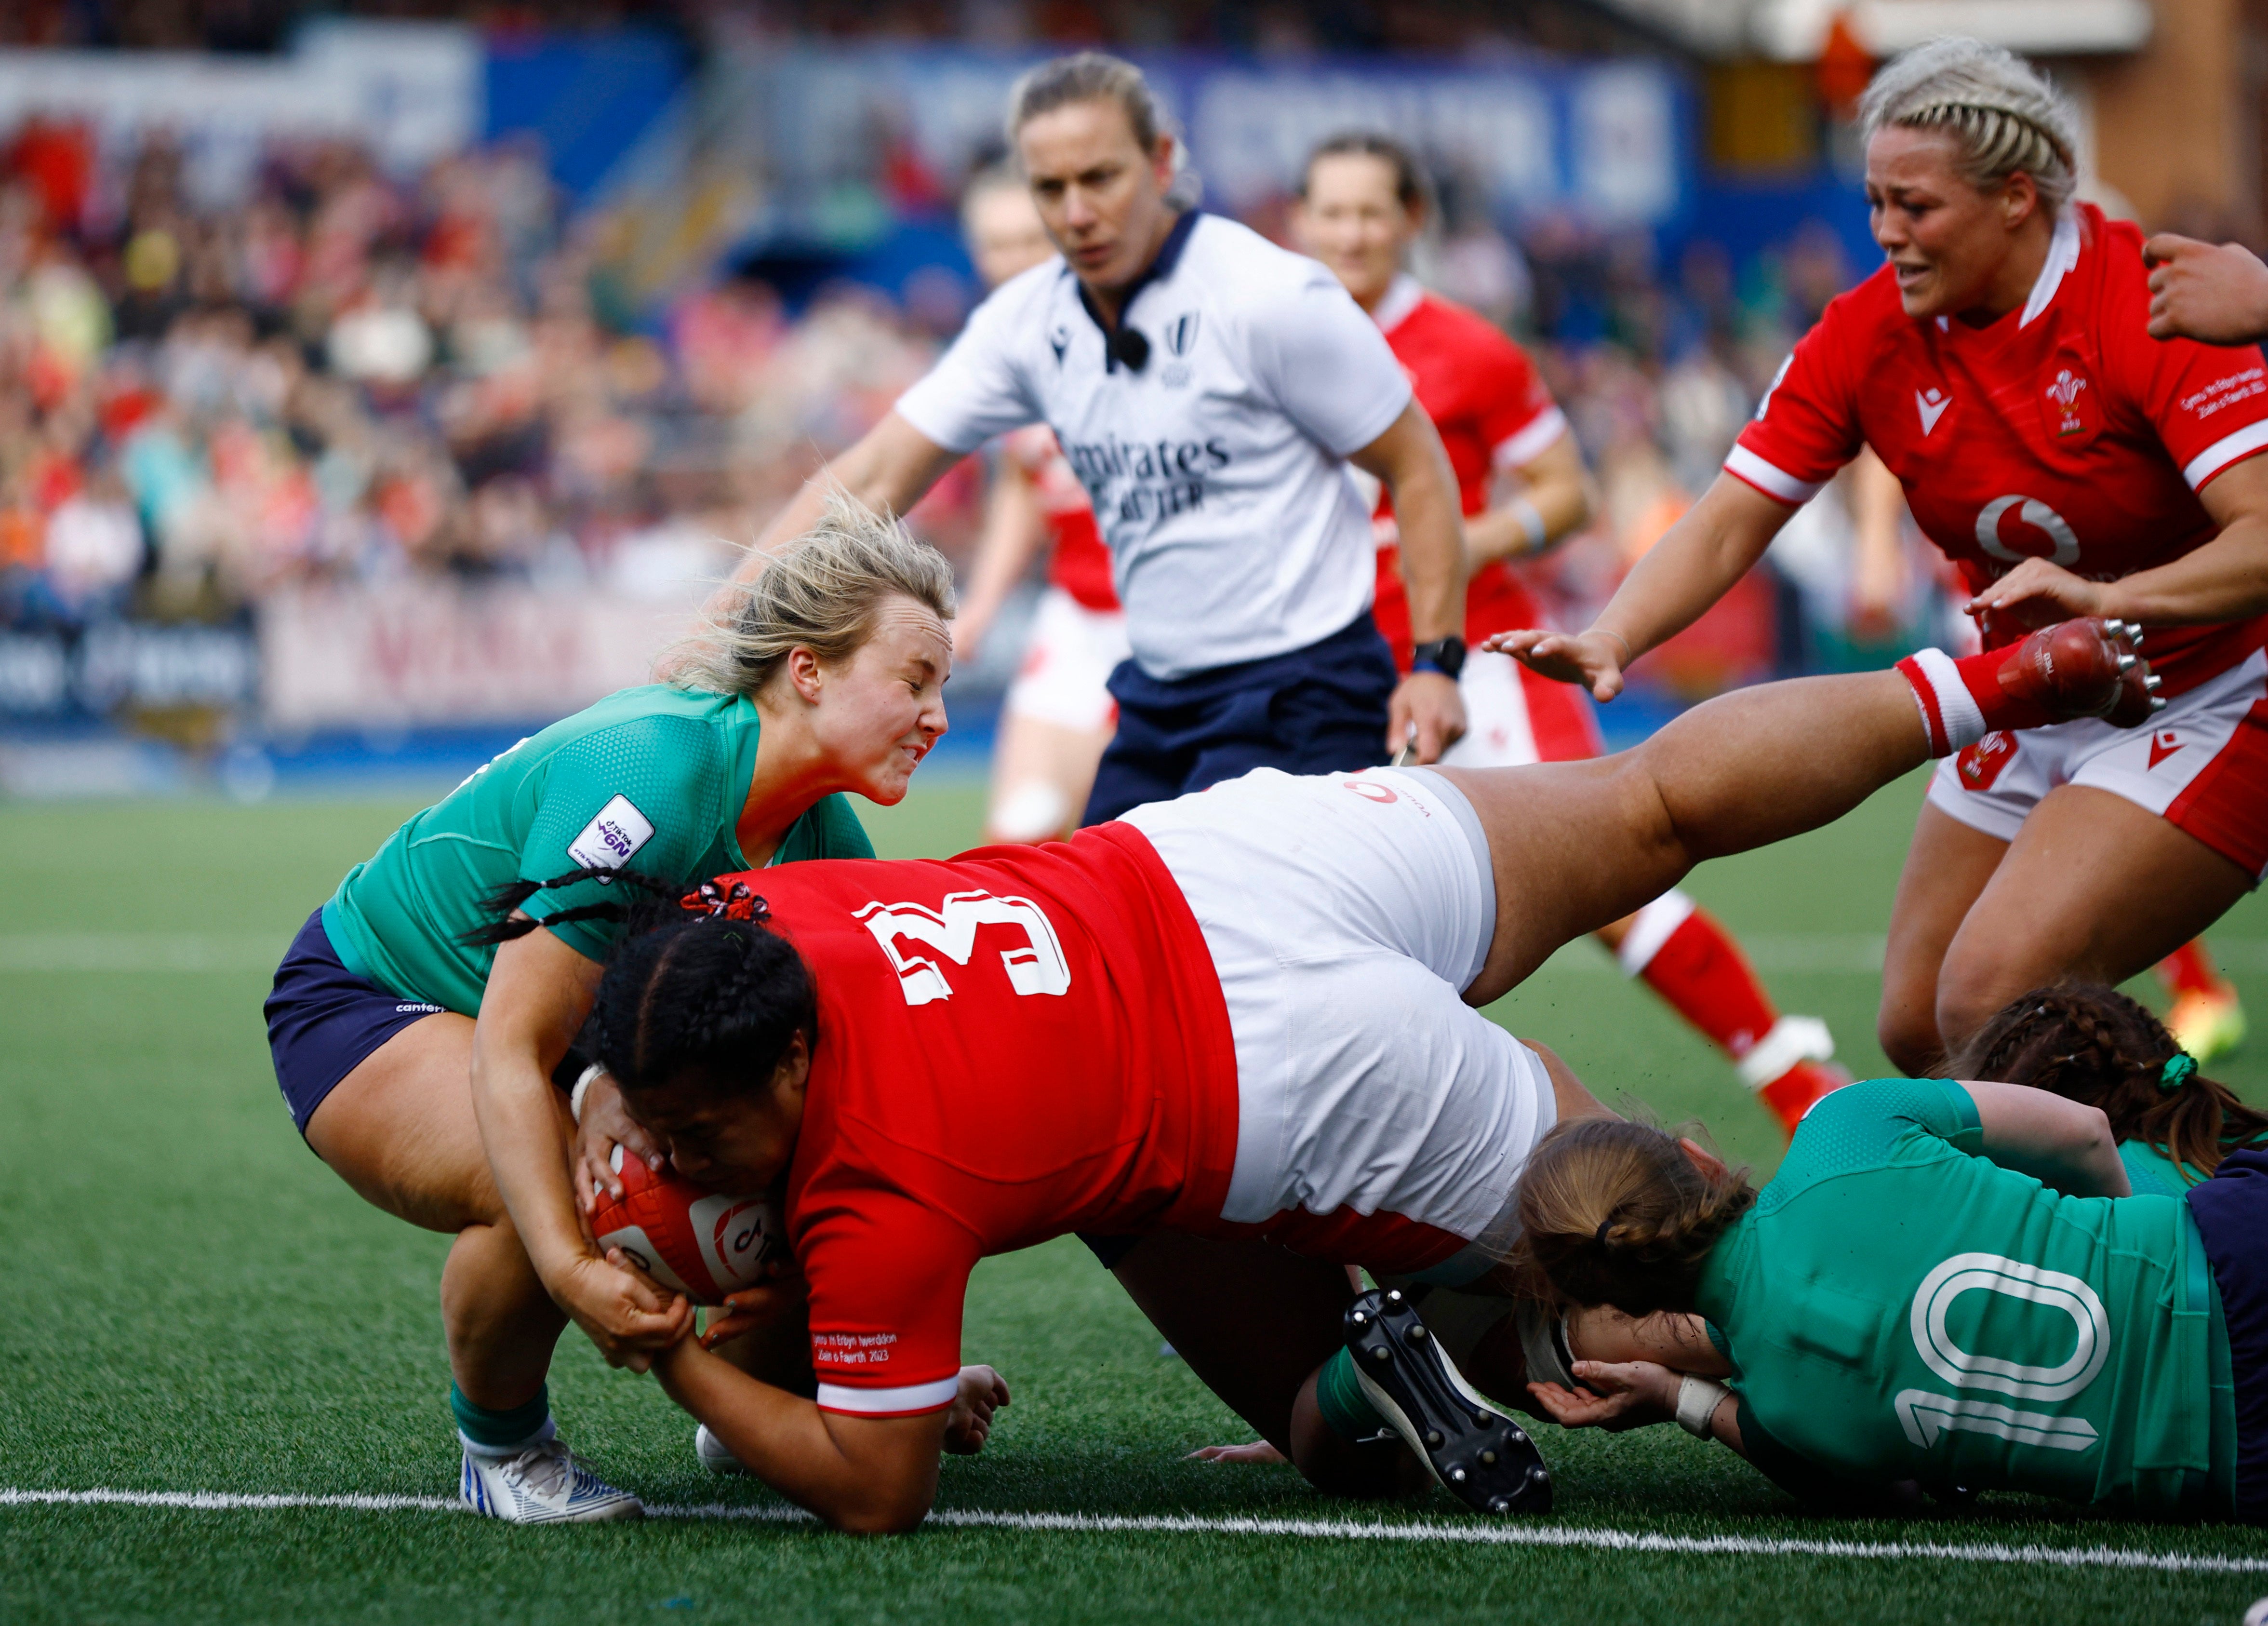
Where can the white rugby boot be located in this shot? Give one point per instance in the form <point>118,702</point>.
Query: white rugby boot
<point>545,1484</point>
<point>714,1454</point>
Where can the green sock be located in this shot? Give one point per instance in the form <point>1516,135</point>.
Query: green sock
<point>1346,1409</point>
<point>488,1431</point>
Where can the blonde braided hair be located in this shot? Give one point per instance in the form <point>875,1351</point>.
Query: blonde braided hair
<point>2003,113</point>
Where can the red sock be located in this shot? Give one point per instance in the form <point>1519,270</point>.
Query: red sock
<point>1693,963</point>
<point>1962,701</point>
<point>2188,970</point>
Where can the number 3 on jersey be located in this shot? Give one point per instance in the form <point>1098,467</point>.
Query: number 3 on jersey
<point>950,929</point>
<point>1925,1415</point>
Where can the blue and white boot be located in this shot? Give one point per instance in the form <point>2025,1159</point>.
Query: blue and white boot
<point>540,1483</point>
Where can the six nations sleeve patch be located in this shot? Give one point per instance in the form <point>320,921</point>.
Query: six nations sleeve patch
<point>609,840</point>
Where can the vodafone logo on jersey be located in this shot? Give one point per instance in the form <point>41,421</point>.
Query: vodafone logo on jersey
<point>2030,514</point>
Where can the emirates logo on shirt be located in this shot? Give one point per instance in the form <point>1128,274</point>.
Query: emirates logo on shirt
<point>2068,401</point>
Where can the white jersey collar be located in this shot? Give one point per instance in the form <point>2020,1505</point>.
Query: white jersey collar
<point>1402,297</point>
<point>2062,257</point>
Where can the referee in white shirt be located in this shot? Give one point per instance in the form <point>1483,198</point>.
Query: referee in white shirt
<point>1209,390</point>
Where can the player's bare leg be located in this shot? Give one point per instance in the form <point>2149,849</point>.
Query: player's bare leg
<point>1042,772</point>
<point>400,1129</point>
<point>2093,886</point>
<point>1948,865</point>
<point>1255,1322</point>
<point>1577,846</point>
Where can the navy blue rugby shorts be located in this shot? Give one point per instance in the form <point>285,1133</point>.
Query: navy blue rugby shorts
<point>1318,710</point>
<point>2232,1214</point>
<point>323,1021</point>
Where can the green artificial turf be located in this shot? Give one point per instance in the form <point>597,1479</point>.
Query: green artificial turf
<point>195,1304</point>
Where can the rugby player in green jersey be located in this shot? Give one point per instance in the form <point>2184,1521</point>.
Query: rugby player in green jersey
<point>1947,1285</point>
<point>823,675</point>
<point>2092,1044</point>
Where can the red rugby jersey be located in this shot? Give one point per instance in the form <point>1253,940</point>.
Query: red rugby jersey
<point>1013,1044</point>
<point>2061,431</point>
<point>1080,564</point>
<point>1493,413</point>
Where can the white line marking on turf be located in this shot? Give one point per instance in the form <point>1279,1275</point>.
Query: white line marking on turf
<point>1589,1538</point>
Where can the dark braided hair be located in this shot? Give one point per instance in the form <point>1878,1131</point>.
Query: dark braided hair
<point>504,925</point>
<point>1614,1213</point>
<point>2090,1043</point>
<point>715,992</point>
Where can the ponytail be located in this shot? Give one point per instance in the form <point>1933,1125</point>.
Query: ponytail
<point>2090,1043</point>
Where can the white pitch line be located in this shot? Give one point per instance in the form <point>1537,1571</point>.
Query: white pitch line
<point>1475,1534</point>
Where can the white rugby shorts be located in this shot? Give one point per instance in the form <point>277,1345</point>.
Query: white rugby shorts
<point>2201,765</point>
<point>1346,914</point>
<point>1514,717</point>
<point>1067,665</point>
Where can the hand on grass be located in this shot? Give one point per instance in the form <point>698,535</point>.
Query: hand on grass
<point>1626,1395</point>
<point>1258,1451</point>
<point>969,1422</point>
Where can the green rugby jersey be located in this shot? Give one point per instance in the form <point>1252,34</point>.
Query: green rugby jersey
<point>1895,1306</point>
<point>652,780</point>
<point>2152,1173</point>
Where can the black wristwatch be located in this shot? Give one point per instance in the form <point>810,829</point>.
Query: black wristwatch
<point>1445,655</point>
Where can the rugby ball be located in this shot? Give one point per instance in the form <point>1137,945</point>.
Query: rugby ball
<point>702,1244</point>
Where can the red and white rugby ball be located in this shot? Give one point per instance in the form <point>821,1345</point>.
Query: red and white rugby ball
<point>699,1243</point>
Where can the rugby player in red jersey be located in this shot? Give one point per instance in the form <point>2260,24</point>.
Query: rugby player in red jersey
<point>1186,1025</point>
<point>1520,475</point>
<point>2070,464</point>
<point>1057,716</point>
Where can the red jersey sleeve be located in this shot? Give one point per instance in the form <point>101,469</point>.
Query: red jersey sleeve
<point>1806,427</point>
<point>888,1280</point>
<point>2208,404</point>
<point>1518,419</point>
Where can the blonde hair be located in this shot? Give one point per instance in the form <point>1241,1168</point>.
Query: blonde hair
<point>819,592</point>
<point>2003,113</point>
<point>1614,1213</point>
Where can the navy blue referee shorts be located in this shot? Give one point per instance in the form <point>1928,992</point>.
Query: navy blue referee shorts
<point>1317,709</point>
<point>2232,1214</point>
<point>323,1021</point>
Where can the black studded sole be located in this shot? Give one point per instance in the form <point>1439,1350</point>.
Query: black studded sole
<point>1480,1456</point>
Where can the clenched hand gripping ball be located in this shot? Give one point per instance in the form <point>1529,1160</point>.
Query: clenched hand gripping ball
<point>699,1243</point>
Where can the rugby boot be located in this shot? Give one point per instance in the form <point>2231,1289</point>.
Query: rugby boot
<point>715,1455</point>
<point>546,1484</point>
<point>2084,668</point>
<point>1479,1455</point>
<point>2208,1022</point>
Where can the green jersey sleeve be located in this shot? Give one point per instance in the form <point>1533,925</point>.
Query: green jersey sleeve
<point>830,829</point>
<point>646,795</point>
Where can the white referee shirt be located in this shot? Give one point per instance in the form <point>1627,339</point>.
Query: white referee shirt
<point>1217,471</point>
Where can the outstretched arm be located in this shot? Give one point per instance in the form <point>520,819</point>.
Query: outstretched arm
<point>1691,568</point>
<point>870,1476</point>
<point>1015,530</point>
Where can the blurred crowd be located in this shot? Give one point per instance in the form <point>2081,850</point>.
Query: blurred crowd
<point>345,377</point>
